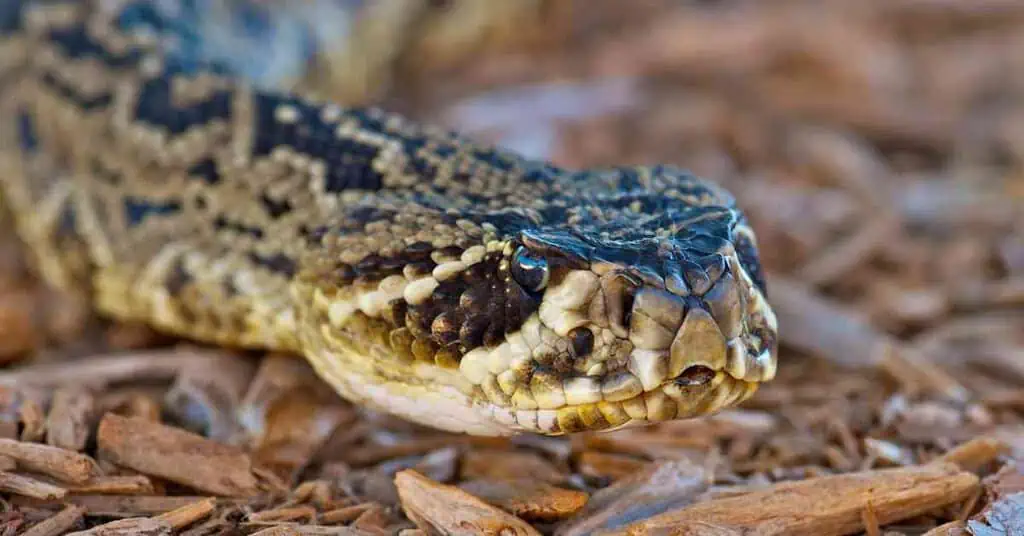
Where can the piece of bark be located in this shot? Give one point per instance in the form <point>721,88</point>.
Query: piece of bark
<point>509,465</point>
<point>130,403</point>
<point>276,376</point>
<point>188,514</point>
<point>115,485</point>
<point>33,421</point>
<point>976,453</point>
<point>953,528</point>
<point>288,513</point>
<point>29,487</point>
<point>62,464</point>
<point>152,365</point>
<point>824,505</point>
<point>446,509</point>
<point>661,487</point>
<point>296,426</point>
<point>611,466</point>
<point>58,523</point>
<point>118,506</point>
<point>136,526</point>
<point>529,499</point>
<point>317,492</point>
<point>1003,517</point>
<point>176,455</point>
<point>346,514</point>
<point>373,519</point>
<point>18,316</point>
<point>308,530</point>
<point>205,398</point>
<point>71,418</point>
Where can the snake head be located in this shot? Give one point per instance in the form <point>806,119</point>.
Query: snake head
<point>590,314</point>
<point>631,330</point>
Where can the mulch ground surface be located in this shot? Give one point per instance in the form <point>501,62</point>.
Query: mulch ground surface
<point>878,147</point>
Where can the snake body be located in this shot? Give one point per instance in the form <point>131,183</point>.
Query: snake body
<point>448,282</point>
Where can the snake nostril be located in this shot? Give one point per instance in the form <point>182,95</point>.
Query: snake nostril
<point>695,375</point>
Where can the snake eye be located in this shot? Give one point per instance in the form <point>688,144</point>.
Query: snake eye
<point>530,270</point>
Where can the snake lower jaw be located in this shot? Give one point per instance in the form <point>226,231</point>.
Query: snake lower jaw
<point>665,403</point>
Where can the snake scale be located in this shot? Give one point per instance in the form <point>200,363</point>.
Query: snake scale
<point>451,283</point>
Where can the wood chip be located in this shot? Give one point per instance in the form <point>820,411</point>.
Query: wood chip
<point>826,505</point>
<point>139,526</point>
<point>29,487</point>
<point>346,514</point>
<point>115,485</point>
<point>65,465</point>
<point>152,365</point>
<point>610,466</point>
<point>176,455</point>
<point>976,453</point>
<point>118,506</point>
<point>59,523</point>
<point>439,508</point>
<point>529,499</point>
<point>188,514</point>
<point>71,418</point>
<point>290,513</point>
<point>509,465</point>
<point>658,488</point>
<point>205,398</point>
<point>953,528</point>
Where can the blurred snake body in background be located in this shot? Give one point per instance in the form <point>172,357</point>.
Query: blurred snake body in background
<point>450,283</point>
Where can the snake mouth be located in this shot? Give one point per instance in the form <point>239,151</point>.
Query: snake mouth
<point>698,391</point>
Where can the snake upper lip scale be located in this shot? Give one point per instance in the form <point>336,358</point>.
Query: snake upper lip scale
<point>450,283</point>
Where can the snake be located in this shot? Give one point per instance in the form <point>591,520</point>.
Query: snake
<point>449,282</point>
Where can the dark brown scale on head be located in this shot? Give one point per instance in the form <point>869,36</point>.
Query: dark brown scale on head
<point>418,319</point>
<point>495,333</point>
<point>445,329</point>
<point>475,300</point>
<point>418,250</point>
<point>478,273</point>
<point>471,334</point>
<point>370,263</point>
<point>392,265</point>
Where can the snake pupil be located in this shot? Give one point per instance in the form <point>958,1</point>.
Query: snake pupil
<point>530,270</point>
